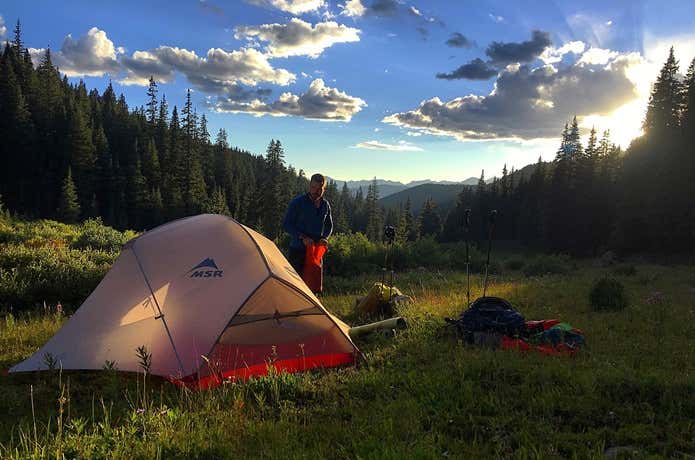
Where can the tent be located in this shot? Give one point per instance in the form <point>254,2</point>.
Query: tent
<point>210,299</point>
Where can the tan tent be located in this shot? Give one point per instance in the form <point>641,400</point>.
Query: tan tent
<point>209,298</point>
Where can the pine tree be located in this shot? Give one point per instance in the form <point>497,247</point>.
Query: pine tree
<point>69,209</point>
<point>82,155</point>
<point>373,212</point>
<point>162,134</point>
<point>156,209</point>
<point>221,140</point>
<point>604,146</point>
<point>591,148</point>
<point>217,203</point>
<point>150,164</point>
<point>574,141</point>
<point>275,189</point>
<point>504,186</point>
<point>343,216</point>
<point>152,105</point>
<point>430,222</point>
<point>689,111</point>
<point>666,101</point>
<point>18,44</point>
<point>411,229</point>
<point>173,185</point>
<point>564,150</point>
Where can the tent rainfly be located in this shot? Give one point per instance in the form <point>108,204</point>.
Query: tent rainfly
<point>209,299</point>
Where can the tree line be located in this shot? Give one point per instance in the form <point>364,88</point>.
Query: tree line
<point>596,196</point>
<point>69,153</point>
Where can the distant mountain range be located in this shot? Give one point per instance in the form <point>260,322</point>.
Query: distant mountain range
<point>389,187</point>
<point>442,193</point>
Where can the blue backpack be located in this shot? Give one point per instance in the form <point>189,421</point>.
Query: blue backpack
<point>490,314</point>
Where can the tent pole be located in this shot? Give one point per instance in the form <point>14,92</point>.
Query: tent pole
<point>159,310</point>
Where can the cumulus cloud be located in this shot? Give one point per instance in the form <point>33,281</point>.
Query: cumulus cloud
<point>320,102</point>
<point>597,56</point>
<point>3,28</point>
<point>477,69</point>
<point>458,40</point>
<point>527,102</point>
<point>91,55</point>
<point>353,8</point>
<point>298,38</point>
<point>502,54</point>
<point>218,71</point>
<point>290,6</point>
<point>402,146</point>
<point>553,55</point>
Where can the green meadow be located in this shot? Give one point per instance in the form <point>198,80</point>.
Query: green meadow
<point>418,393</point>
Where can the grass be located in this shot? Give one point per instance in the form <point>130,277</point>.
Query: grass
<point>420,394</point>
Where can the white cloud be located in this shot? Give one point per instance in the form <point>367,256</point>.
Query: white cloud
<point>353,8</point>
<point>3,29</point>
<point>402,146</point>
<point>91,55</point>
<point>291,6</point>
<point>656,49</point>
<point>320,102</point>
<point>552,55</point>
<point>597,56</point>
<point>527,102</point>
<point>298,38</point>
<point>415,11</point>
<point>413,134</point>
<point>496,18</point>
<point>214,73</point>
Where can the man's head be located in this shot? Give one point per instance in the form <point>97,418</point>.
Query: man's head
<point>317,186</point>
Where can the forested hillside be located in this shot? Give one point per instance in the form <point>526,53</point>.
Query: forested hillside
<point>69,153</point>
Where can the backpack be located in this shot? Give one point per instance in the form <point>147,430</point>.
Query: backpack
<point>490,314</point>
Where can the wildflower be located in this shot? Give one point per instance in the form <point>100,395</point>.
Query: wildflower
<point>655,297</point>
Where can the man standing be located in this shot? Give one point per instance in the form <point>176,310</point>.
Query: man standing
<point>308,221</point>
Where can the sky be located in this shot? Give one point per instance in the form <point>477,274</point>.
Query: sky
<point>395,89</point>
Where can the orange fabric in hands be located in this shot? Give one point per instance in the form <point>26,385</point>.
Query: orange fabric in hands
<point>312,273</point>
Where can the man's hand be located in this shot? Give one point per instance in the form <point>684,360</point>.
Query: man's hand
<point>306,240</point>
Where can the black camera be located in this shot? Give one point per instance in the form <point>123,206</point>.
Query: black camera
<point>389,233</point>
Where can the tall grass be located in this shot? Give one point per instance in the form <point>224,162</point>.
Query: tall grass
<point>419,394</point>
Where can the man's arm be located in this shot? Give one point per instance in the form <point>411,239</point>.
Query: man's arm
<point>327,223</point>
<point>289,223</point>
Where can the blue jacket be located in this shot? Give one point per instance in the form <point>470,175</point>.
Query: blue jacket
<point>303,217</point>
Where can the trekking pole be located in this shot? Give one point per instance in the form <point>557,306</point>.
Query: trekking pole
<point>493,215</point>
<point>390,236</point>
<point>467,227</point>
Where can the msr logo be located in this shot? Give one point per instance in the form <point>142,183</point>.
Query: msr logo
<point>206,269</point>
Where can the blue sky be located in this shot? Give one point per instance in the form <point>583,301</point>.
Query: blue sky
<point>363,88</point>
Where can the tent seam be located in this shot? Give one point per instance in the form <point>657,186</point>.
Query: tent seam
<point>161,315</point>
<point>258,247</point>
